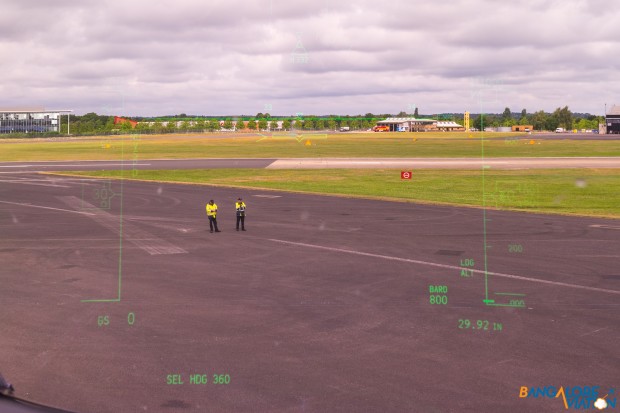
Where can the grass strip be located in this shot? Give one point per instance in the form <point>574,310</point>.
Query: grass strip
<point>586,192</point>
<point>388,145</point>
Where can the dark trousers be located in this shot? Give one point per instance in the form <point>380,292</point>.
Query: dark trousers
<point>213,223</point>
<point>242,219</point>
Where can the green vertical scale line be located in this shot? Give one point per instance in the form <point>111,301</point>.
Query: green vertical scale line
<point>120,242</point>
<point>484,212</point>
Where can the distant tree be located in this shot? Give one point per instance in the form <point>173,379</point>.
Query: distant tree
<point>401,114</point>
<point>331,124</point>
<point>228,124</point>
<point>320,124</point>
<point>286,124</point>
<point>510,122</point>
<point>553,120</point>
<point>262,124</point>
<point>354,124</point>
<point>309,124</point>
<point>214,124</point>
<point>273,125</point>
<point>185,126</point>
<point>365,124</point>
<point>157,127</point>
<point>539,120</point>
<point>142,127</point>
<point>480,122</point>
<point>126,127</point>
<point>240,125</point>
<point>259,115</point>
<point>171,126</point>
<point>252,124</point>
<point>200,125</point>
<point>564,117</point>
<point>299,124</point>
<point>267,115</point>
<point>507,114</point>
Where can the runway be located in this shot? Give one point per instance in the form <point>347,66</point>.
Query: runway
<point>315,163</point>
<point>114,293</point>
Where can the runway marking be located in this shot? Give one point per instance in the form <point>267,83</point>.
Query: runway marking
<point>604,226</point>
<point>452,267</point>
<point>32,182</point>
<point>44,207</point>
<point>144,240</point>
<point>599,256</point>
<point>81,164</point>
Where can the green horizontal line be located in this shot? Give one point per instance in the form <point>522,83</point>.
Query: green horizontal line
<point>111,300</point>
<point>507,305</point>
<point>488,301</point>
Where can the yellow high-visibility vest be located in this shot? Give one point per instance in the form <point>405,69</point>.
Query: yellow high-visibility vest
<point>212,210</point>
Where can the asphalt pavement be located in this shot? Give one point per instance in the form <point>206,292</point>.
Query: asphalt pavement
<point>116,298</point>
<point>315,163</point>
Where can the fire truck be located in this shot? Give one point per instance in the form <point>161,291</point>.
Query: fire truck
<point>381,128</point>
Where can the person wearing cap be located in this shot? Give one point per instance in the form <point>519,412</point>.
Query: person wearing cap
<point>212,215</point>
<point>240,207</point>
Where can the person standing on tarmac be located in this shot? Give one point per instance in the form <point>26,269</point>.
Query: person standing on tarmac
<point>240,207</point>
<point>212,214</point>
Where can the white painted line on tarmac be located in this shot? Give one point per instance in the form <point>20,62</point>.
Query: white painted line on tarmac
<point>33,182</point>
<point>142,239</point>
<point>604,226</point>
<point>44,207</point>
<point>81,164</point>
<point>452,267</point>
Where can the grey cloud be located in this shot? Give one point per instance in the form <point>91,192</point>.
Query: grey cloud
<point>235,56</point>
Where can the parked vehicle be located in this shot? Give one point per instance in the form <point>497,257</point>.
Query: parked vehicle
<point>560,130</point>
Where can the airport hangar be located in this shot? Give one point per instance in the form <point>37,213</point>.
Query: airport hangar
<point>612,120</point>
<point>420,125</point>
<point>32,120</point>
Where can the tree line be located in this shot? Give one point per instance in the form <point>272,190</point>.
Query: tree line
<point>541,120</point>
<point>92,123</point>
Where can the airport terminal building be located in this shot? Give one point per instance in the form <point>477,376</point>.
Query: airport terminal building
<point>31,121</point>
<point>612,120</point>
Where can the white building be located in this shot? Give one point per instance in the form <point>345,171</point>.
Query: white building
<point>412,124</point>
<point>33,120</point>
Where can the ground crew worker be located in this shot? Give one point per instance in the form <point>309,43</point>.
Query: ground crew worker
<point>240,207</point>
<point>212,214</point>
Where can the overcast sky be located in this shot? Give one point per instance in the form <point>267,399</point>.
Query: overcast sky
<point>219,57</point>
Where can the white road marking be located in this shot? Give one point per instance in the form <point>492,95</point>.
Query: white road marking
<point>144,240</point>
<point>452,267</point>
<point>32,182</point>
<point>44,207</point>
<point>129,163</point>
<point>604,226</point>
<point>599,256</point>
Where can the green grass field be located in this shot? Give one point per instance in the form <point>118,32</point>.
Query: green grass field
<point>591,192</point>
<point>287,146</point>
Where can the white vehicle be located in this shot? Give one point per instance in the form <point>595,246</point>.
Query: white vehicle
<point>560,130</point>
